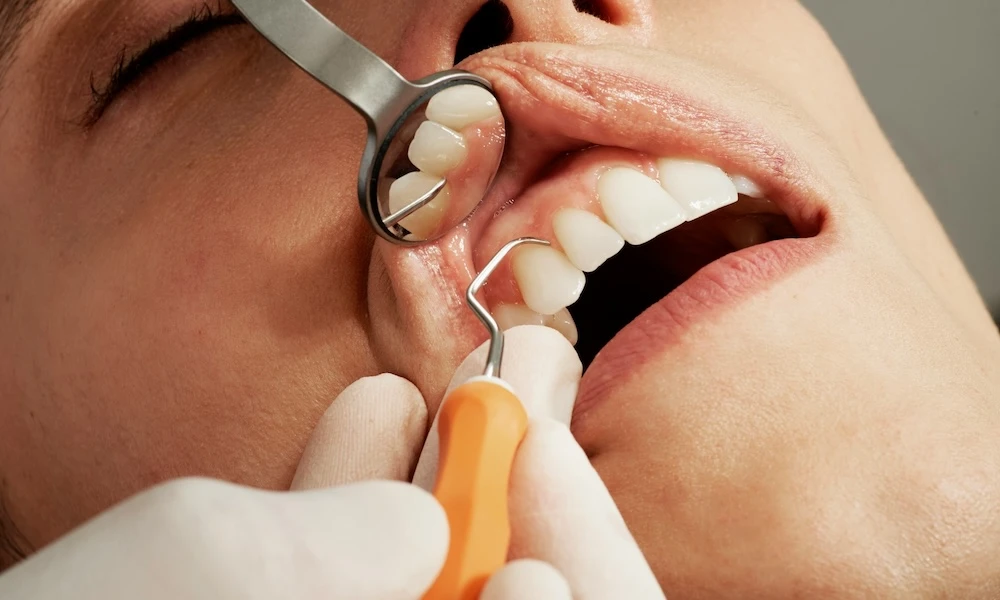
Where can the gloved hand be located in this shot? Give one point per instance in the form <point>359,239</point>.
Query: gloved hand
<point>378,540</point>
<point>568,539</point>
<point>202,539</point>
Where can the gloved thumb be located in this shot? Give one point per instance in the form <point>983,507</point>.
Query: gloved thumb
<point>541,366</point>
<point>375,540</point>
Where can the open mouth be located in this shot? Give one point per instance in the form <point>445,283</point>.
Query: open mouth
<point>639,276</point>
<point>607,159</point>
<point>627,231</point>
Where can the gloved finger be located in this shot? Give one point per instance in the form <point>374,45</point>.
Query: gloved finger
<point>541,366</point>
<point>373,430</point>
<point>207,540</point>
<point>562,513</point>
<point>527,580</point>
<point>375,540</point>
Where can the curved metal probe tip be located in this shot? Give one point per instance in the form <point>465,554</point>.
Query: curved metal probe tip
<point>495,356</point>
<point>394,219</point>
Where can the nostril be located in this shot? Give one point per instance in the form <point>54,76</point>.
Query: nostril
<point>596,8</point>
<point>491,26</point>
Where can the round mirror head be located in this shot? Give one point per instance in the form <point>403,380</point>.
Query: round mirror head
<point>436,165</point>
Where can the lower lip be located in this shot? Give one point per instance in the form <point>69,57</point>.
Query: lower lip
<point>723,283</point>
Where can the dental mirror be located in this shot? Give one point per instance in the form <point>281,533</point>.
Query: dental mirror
<point>434,145</point>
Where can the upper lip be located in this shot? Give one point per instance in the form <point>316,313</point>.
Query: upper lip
<point>558,98</point>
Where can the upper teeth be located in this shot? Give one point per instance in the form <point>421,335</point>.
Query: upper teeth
<point>585,238</point>
<point>548,280</point>
<point>636,208</point>
<point>699,186</point>
<point>746,187</point>
<point>463,105</point>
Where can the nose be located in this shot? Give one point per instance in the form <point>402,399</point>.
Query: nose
<point>586,22</point>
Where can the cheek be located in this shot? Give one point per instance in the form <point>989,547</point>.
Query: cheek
<point>421,326</point>
<point>777,49</point>
<point>192,312</point>
<point>751,440</point>
<point>186,359</point>
<point>367,23</point>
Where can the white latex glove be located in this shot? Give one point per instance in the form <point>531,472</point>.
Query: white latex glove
<point>568,539</point>
<point>202,539</point>
<point>384,540</point>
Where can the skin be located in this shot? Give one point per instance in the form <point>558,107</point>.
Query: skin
<point>185,286</point>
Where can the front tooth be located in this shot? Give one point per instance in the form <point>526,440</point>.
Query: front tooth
<point>637,206</point>
<point>435,149</point>
<point>460,106</point>
<point>563,322</point>
<point>587,240</point>
<point>746,187</point>
<point>548,281</point>
<point>509,316</point>
<point>424,223</point>
<point>698,186</point>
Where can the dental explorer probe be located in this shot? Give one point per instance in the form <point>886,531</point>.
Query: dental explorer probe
<point>481,425</point>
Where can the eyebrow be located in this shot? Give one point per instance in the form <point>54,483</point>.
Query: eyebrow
<point>15,16</point>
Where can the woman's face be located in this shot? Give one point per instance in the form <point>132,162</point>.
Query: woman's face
<point>186,281</point>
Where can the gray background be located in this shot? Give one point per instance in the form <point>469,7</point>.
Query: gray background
<point>931,71</point>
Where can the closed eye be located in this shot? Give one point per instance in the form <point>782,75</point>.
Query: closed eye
<point>130,68</point>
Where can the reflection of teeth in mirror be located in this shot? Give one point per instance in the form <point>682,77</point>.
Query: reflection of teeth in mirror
<point>509,316</point>
<point>435,149</point>
<point>425,222</point>
<point>460,106</point>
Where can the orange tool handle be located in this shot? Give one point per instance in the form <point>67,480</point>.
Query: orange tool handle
<point>481,425</point>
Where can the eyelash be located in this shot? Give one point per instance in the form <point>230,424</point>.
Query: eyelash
<point>129,69</point>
